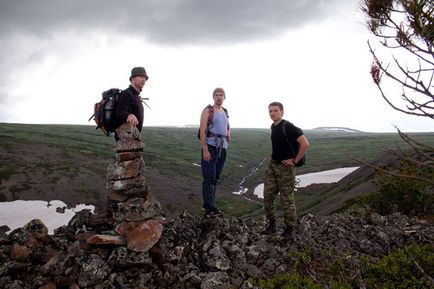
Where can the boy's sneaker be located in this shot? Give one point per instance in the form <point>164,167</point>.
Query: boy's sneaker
<point>271,228</point>
<point>288,233</point>
<point>214,213</point>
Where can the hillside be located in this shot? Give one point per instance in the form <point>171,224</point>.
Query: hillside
<point>69,163</point>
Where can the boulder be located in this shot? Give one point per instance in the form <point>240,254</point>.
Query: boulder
<point>144,236</point>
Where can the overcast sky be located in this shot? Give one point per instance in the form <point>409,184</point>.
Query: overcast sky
<point>56,57</point>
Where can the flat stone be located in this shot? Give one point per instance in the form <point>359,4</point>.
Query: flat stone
<point>128,131</point>
<point>140,191</point>
<point>128,145</point>
<point>99,239</point>
<point>126,169</point>
<point>128,184</point>
<point>118,196</point>
<point>127,156</point>
<point>49,285</point>
<point>144,236</point>
<point>74,286</point>
<point>138,209</point>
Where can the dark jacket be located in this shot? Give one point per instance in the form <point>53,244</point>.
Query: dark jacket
<point>129,102</point>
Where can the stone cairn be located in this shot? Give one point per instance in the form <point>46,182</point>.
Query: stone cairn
<point>136,213</point>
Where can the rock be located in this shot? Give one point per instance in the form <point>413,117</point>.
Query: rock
<point>73,286</point>
<point>93,271</point>
<point>55,263</point>
<point>252,254</point>
<point>99,239</point>
<point>36,228</point>
<point>3,235</point>
<point>144,236</point>
<point>127,156</point>
<point>61,210</point>
<point>215,280</point>
<point>49,285</point>
<point>247,285</point>
<point>123,257</point>
<point>4,229</point>
<point>118,196</point>
<point>126,169</point>
<point>128,132</point>
<point>193,252</point>
<point>19,253</point>
<point>137,209</point>
<point>217,259</point>
<point>138,191</point>
<point>80,219</point>
<point>17,284</point>
<point>121,185</point>
<point>128,146</point>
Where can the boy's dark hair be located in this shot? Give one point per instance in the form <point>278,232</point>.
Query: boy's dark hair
<point>276,103</point>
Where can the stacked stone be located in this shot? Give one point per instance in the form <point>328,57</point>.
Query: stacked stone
<point>136,212</point>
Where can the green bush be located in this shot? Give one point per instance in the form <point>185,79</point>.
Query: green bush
<point>287,281</point>
<point>295,281</point>
<point>399,271</point>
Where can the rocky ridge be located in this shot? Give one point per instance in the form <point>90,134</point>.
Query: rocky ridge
<point>194,252</point>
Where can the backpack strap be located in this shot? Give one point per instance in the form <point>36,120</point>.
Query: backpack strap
<point>285,124</point>
<point>211,115</point>
<point>131,100</point>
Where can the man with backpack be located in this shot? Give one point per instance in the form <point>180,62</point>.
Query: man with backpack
<point>289,146</point>
<point>129,107</point>
<point>214,135</point>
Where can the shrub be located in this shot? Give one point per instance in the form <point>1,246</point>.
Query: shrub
<point>398,270</point>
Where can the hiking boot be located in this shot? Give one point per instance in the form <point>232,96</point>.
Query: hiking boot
<point>271,228</point>
<point>214,213</point>
<point>288,233</point>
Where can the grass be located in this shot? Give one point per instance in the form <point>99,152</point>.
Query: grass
<point>173,152</point>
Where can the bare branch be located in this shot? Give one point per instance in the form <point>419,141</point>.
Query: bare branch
<point>428,277</point>
<point>394,174</point>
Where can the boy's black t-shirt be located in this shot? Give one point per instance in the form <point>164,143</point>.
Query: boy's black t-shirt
<point>281,149</point>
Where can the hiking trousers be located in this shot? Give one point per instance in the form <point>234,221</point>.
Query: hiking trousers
<point>211,172</point>
<point>280,179</point>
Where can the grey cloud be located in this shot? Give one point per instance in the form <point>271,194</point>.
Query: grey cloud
<point>170,22</point>
<point>166,22</point>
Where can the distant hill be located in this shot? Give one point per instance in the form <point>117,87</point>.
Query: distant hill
<point>337,128</point>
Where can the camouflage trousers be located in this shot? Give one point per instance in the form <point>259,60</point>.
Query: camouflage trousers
<point>280,179</point>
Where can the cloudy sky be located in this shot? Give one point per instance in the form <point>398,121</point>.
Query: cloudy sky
<point>56,57</point>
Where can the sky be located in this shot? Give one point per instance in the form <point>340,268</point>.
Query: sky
<point>56,57</point>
